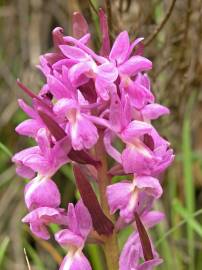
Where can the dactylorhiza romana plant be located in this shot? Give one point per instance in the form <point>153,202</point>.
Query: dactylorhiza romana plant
<point>90,103</point>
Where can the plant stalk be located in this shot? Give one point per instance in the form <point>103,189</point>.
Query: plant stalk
<point>111,249</point>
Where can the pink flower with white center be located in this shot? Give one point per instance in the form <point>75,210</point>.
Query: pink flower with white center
<point>130,132</point>
<point>124,196</point>
<point>120,56</point>
<point>136,89</point>
<point>82,131</point>
<point>146,152</point>
<point>142,99</point>
<point>45,160</point>
<point>103,74</point>
<point>129,67</point>
<point>73,238</point>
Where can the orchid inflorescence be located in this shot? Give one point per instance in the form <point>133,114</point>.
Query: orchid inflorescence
<point>95,112</point>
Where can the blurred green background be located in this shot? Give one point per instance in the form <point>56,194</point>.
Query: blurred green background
<point>176,52</point>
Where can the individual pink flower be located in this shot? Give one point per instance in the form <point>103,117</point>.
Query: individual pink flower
<point>146,152</point>
<point>120,55</point>
<point>130,132</point>
<point>125,195</point>
<point>86,68</point>
<point>73,238</point>
<point>132,253</point>
<point>44,159</point>
<point>82,131</point>
<point>137,91</point>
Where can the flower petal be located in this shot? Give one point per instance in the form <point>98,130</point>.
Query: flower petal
<point>28,128</point>
<point>108,72</point>
<point>57,88</point>
<point>68,238</point>
<point>72,219</point>
<point>135,129</point>
<point>119,195</point>
<point>134,65</point>
<point>40,193</point>
<point>139,160</point>
<point>120,48</point>
<point>150,219</point>
<point>42,216</point>
<point>154,111</point>
<point>150,185</point>
<point>109,147</point>
<point>74,53</point>
<point>78,73</point>
<point>83,133</point>
<point>84,219</point>
<point>149,265</point>
<point>77,261</point>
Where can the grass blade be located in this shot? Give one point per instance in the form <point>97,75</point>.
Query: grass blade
<point>96,256</point>
<point>188,184</point>
<point>34,257</point>
<point>27,260</point>
<point>5,150</point>
<point>189,219</point>
<point>176,227</point>
<point>3,249</point>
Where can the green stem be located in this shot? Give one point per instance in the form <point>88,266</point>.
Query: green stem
<point>111,249</point>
